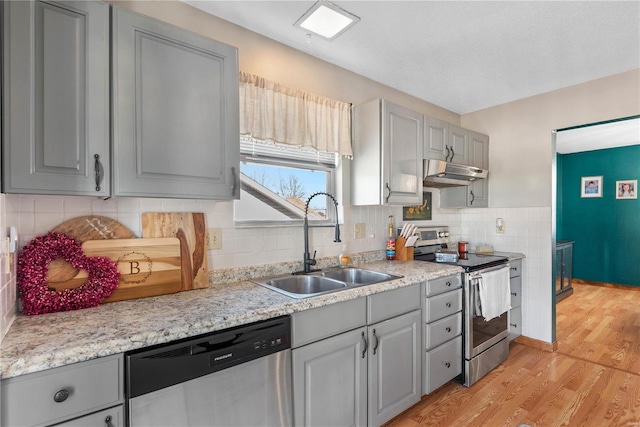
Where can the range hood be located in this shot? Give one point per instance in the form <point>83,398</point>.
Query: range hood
<point>440,174</point>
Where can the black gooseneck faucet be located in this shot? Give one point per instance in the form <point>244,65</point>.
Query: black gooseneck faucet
<point>308,260</point>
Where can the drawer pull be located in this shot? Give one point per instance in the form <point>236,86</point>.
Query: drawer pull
<point>365,345</point>
<point>515,294</point>
<point>514,268</point>
<point>61,395</point>
<point>447,364</point>
<point>448,329</point>
<point>448,305</point>
<point>515,325</point>
<point>375,347</point>
<point>448,283</point>
<point>107,421</point>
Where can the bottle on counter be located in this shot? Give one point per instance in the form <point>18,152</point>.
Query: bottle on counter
<point>391,241</point>
<point>344,259</point>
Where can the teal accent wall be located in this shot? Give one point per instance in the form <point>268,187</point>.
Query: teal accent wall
<point>606,230</point>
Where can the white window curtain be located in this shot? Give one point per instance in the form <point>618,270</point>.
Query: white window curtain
<point>284,115</point>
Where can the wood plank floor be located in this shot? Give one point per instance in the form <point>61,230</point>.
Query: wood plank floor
<point>592,380</point>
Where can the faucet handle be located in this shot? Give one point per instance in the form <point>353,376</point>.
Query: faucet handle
<point>313,258</point>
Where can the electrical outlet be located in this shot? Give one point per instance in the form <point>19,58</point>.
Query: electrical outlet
<point>500,225</point>
<point>360,230</point>
<point>214,238</point>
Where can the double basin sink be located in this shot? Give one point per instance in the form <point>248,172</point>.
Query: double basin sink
<point>323,282</point>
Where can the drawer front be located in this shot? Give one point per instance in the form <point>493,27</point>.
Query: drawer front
<point>322,322</point>
<point>442,364</point>
<point>516,291</point>
<point>91,386</point>
<point>443,284</point>
<point>442,330</point>
<point>386,305</point>
<point>442,305</point>
<point>113,417</point>
<point>515,323</point>
<point>515,268</point>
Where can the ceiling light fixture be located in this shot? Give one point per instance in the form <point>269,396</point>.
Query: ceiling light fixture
<point>326,20</point>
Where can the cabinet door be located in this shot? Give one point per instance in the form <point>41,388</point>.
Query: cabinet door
<point>330,381</point>
<point>175,112</point>
<point>395,369</point>
<point>402,140</point>
<point>436,139</point>
<point>479,156</point>
<point>56,98</point>
<point>458,142</point>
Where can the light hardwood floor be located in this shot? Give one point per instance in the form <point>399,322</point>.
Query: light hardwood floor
<point>592,380</point>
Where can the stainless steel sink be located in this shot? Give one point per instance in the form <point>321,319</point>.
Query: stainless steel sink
<point>323,282</point>
<point>358,276</point>
<point>302,286</point>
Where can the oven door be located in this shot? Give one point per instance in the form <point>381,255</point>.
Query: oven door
<point>482,334</point>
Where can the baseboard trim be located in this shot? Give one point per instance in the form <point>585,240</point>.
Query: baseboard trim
<point>605,284</point>
<point>541,345</point>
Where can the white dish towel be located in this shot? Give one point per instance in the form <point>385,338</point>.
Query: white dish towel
<point>494,290</point>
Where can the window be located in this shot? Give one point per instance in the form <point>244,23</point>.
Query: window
<point>277,179</point>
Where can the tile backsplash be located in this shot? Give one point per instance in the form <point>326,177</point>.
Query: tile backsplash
<point>528,230</point>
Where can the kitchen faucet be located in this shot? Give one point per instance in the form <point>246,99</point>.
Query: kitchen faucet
<point>308,261</point>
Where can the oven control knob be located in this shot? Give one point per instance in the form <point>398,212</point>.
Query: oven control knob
<point>441,234</point>
<point>446,234</point>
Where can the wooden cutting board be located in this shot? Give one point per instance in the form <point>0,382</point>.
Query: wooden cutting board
<point>148,267</point>
<point>190,229</point>
<point>83,228</point>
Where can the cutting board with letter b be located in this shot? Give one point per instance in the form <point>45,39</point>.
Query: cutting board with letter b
<point>148,267</point>
<point>189,228</point>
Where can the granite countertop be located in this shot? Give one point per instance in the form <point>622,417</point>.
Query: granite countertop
<point>36,343</point>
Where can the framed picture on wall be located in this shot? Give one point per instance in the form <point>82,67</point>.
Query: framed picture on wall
<point>422,212</point>
<point>627,189</point>
<point>591,186</point>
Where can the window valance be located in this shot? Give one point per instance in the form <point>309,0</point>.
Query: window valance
<point>290,116</point>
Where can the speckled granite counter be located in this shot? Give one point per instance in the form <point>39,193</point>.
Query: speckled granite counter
<point>36,343</point>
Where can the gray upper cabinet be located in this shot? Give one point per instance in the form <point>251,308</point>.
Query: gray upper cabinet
<point>56,98</point>
<point>475,195</point>
<point>175,112</point>
<point>444,141</point>
<point>387,159</point>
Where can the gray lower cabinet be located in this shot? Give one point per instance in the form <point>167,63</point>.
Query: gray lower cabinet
<point>85,393</point>
<point>443,331</point>
<point>330,381</point>
<point>56,98</point>
<point>515,314</point>
<point>175,112</point>
<point>358,362</point>
<point>395,369</point>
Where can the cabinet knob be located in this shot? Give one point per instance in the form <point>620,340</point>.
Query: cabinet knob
<point>447,364</point>
<point>449,284</point>
<point>448,329</point>
<point>107,421</point>
<point>61,395</point>
<point>448,305</point>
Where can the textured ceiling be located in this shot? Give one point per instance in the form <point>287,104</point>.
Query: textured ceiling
<point>463,56</point>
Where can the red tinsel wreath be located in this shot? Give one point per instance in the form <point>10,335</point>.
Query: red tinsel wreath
<point>33,265</point>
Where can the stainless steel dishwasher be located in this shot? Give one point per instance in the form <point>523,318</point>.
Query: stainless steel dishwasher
<point>235,377</point>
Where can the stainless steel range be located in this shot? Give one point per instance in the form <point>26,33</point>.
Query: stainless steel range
<point>485,343</point>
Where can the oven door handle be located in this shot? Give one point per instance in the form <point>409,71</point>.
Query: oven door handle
<point>478,274</point>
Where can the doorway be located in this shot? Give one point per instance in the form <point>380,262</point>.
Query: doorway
<point>587,216</point>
